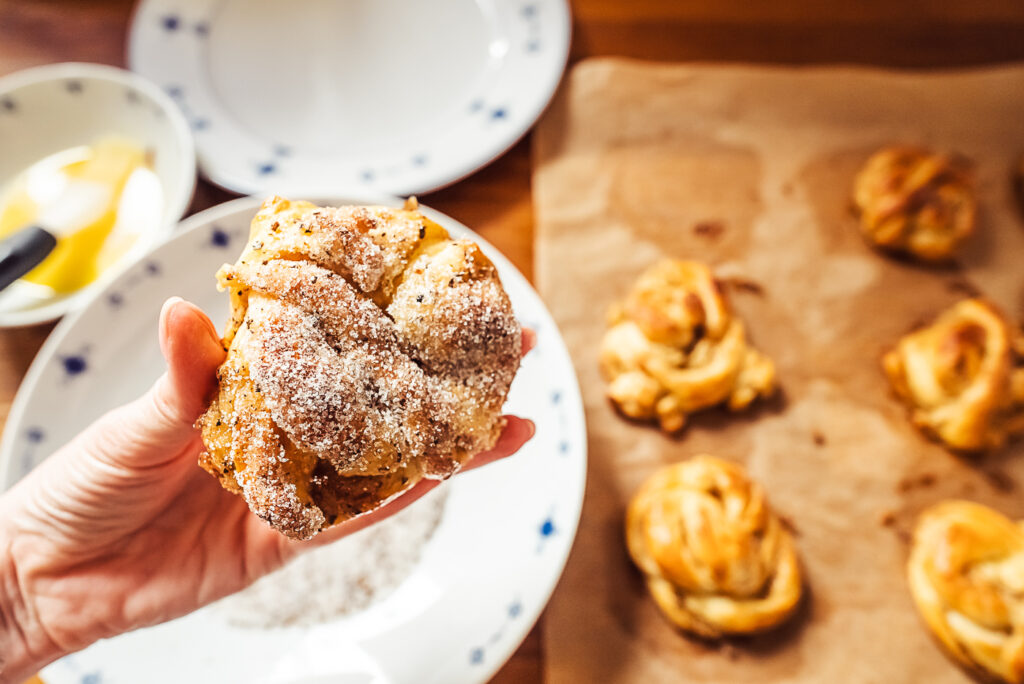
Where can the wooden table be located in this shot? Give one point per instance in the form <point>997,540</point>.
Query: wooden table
<point>496,201</point>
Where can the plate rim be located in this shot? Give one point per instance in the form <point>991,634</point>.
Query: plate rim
<point>197,221</point>
<point>230,180</point>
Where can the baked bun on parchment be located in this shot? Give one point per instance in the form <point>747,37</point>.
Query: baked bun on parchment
<point>716,559</point>
<point>914,202</point>
<point>962,377</point>
<point>674,347</point>
<point>966,574</point>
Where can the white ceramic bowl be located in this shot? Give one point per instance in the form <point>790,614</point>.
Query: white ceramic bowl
<point>51,108</point>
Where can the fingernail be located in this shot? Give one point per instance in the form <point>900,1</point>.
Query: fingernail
<point>529,340</point>
<point>168,307</point>
<point>165,312</point>
<point>211,327</point>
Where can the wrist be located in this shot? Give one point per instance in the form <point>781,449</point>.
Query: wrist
<point>24,645</point>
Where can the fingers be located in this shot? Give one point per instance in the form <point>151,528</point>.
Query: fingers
<point>417,492</point>
<point>518,431</point>
<point>529,340</point>
<point>193,351</point>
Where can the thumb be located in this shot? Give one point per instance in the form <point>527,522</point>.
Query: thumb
<point>122,455</point>
<point>159,423</point>
<point>192,349</point>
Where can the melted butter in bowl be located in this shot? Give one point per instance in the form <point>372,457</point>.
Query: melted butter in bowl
<point>118,164</point>
<point>107,159</point>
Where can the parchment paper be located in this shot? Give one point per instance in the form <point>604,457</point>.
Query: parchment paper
<point>750,169</point>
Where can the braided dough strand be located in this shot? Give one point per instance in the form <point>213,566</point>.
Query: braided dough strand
<point>673,348</point>
<point>915,202</point>
<point>366,350</point>
<point>961,377</point>
<point>716,559</point>
<point>966,575</point>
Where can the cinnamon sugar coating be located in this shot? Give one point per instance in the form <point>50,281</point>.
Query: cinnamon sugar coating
<point>366,351</point>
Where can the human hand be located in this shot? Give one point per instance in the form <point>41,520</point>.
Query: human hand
<point>121,529</point>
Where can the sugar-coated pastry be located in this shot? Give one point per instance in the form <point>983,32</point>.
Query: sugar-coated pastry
<point>915,202</point>
<point>966,574</point>
<point>673,347</point>
<point>366,350</point>
<point>961,376</point>
<point>717,560</point>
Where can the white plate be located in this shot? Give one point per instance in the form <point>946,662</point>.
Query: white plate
<point>398,96</point>
<point>483,578</point>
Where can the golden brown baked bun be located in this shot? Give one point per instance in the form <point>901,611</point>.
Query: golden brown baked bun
<point>716,559</point>
<point>966,574</point>
<point>915,202</point>
<point>673,347</point>
<point>961,377</point>
<point>366,350</point>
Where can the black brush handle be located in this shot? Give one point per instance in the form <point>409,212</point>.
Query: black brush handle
<point>23,251</point>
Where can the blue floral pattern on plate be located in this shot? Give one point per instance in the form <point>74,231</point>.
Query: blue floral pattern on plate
<point>73,87</point>
<point>171,42</point>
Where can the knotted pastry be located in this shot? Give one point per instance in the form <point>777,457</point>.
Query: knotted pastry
<point>966,574</point>
<point>961,377</point>
<point>915,202</point>
<point>673,347</point>
<point>716,559</point>
<point>366,350</point>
